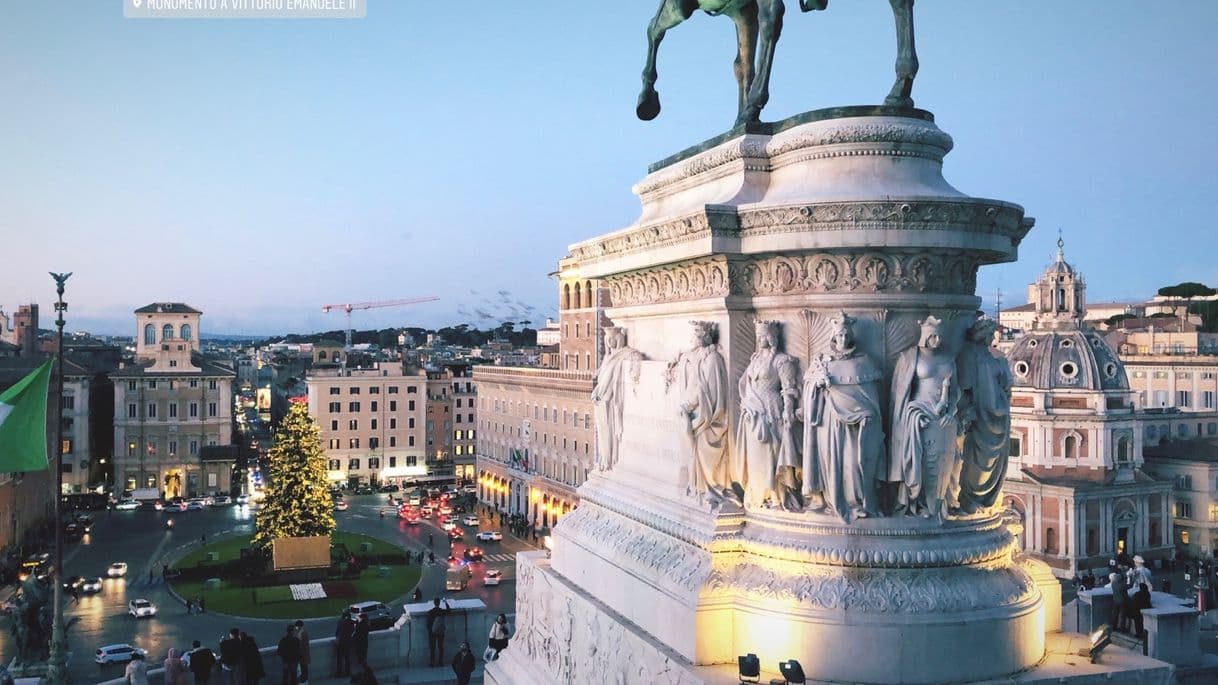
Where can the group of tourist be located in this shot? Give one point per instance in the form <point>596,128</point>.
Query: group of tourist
<point>351,646</point>
<point>1130,595</point>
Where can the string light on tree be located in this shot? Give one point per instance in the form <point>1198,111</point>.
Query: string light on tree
<point>297,502</point>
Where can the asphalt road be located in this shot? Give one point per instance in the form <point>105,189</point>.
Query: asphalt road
<point>141,539</point>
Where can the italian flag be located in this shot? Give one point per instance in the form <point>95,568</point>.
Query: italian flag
<point>23,422</point>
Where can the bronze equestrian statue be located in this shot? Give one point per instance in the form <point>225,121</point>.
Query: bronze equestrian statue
<point>758,25</point>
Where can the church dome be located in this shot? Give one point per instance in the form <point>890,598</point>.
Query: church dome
<point>1071,359</point>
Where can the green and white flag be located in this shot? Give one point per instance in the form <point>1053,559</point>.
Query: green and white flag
<point>23,422</point>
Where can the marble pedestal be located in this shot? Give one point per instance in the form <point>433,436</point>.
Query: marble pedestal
<point>651,583</point>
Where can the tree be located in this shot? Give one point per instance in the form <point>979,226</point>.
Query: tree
<point>1185,291</point>
<point>297,502</point>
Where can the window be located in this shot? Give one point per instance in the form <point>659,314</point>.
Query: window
<point>353,407</point>
<point>374,462</point>
<point>393,390</point>
<point>393,462</point>
<point>166,332</point>
<point>410,441</point>
<point>353,390</point>
<point>412,460</point>
<point>1070,447</point>
<point>353,464</point>
<point>184,331</point>
<point>194,382</point>
<point>353,425</point>
<point>373,426</point>
<point>410,405</point>
<point>393,422</point>
<point>336,407</point>
<point>393,442</point>
<point>335,390</point>
<point>410,423</point>
<point>412,389</point>
<point>173,410</point>
<point>1184,482</point>
<point>152,410</point>
<point>173,363</point>
<point>194,448</point>
<point>68,402</point>
<point>152,385</point>
<point>373,407</point>
<point>1184,509</point>
<point>211,409</point>
<point>458,418</point>
<point>353,444</point>
<point>333,424</point>
<point>132,410</point>
<point>1182,430</point>
<point>373,443</point>
<point>393,405</point>
<point>194,410</point>
<point>335,444</point>
<point>212,384</point>
<point>1183,398</point>
<point>1207,399</point>
<point>131,385</point>
<point>374,390</point>
<point>149,334</point>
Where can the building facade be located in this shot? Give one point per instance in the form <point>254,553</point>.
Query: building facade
<point>1075,473</point>
<point>1191,466</point>
<point>169,405</point>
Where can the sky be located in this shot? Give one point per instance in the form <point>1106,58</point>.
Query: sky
<point>258,169</point>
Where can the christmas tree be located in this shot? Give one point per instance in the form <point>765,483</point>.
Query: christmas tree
<point>297,502</point>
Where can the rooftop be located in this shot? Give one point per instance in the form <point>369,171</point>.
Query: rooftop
<point>1197,449</point>
<point>167,308</point>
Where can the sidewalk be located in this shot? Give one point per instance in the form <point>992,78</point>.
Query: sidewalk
<point>442,675</point>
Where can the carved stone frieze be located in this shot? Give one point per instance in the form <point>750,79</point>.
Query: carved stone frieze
<point>751,149</point>
<point>906,132</point>
<point>878,591</point>
<point>688,281</point>
<point>824,272</point>
<point>640,547</point>
<point>702,224</point>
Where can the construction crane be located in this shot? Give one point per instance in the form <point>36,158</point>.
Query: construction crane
<point>353,306</point>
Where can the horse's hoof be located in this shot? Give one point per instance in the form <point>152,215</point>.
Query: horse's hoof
<point>649,105</point>
<point>901,101</point>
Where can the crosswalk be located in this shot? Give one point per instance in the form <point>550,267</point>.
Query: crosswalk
<point>500,557</point>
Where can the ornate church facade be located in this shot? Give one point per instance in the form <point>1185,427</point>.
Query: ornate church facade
<point>1076,468</point>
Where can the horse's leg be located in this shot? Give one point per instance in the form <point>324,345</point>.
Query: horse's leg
<point>769,20</point>
<point>907,56</point>
<point>746,54</point>
<point>671,13</point>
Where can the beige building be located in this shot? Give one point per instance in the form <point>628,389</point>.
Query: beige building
<point>536,437</point>
<point>1075,473</point>
<point>1191,466</point>
<point>169,405</point>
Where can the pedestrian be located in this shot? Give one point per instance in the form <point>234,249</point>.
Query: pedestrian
<point>302,634</point>
<point>254,670</point>
<point>203,538</point>
<point>150,575</point>
<point>463,664</point>
<point>202,605</point>
<point>289,656</point>
<point>137,671</point>
<point>190,606</point>
<point>343,639</point>
<point>75,593</point>
<point>359,641</point>
<point>1118,617</point>
<point>1165,585</point>
<point>175,670</point>
<point>202,661</point>
<point>1139,602</point>
<point>431,539</point>
<point>232,659</point>
<point>164,570</point>
<point>500,631</point>
<point>437,619</point>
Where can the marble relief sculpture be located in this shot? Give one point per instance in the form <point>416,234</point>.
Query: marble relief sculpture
<point>621,363</point>
<point>767,446</point>
<point>924,427</point>
<point>985,384</point>
<point>843,437</point>
<point>701,377</point>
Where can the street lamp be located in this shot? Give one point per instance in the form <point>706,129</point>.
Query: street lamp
<point>57,662</point>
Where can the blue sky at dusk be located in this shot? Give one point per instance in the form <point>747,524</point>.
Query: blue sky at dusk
<point>259,169</point>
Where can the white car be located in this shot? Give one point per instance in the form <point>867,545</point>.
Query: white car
<point>117,570</point>
<point>449,524</point>
<point>186,657</point>
<point>492,577</point>
<point>117,654</point>
<point>127,505</point>
<point>470,520</point>
<point>91,585</point>
<point>490,536</point>
<point>197,504</point>
<point>243,499</point>
<point>139,608</point>
<point>341,505</point>
<point>222,501</point>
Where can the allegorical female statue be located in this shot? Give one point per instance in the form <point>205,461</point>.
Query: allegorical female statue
<point>985,384</point>
<point>701,374</point>
<point>619,365</point>
<point>766,440</point>
<point>843,441</point>
<point>923,450</point>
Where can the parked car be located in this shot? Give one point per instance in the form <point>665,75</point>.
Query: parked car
<point>493,577</point>
<point>340,505</point>
<point>117,570</point>
<point>117,654</point>
<point>127,505</point>
<point>141,608</point>
<point>222,501</point>
<point>364,490</point>
<point>91,585</point>
<point>8,606</point>
<point>490,536</point>
<point>473,554</point>
<point>470,520</point>
<point>378,614</point>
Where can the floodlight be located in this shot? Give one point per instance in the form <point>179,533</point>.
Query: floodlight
<point>792,672</point>
<point>750,668</point>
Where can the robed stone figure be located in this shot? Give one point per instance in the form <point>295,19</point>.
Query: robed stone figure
<point>619,366</point>
<point>985,384</point>
<point>767,443</point>
<point>924,429</point>
<point>843,437</point>
<point>701,375</point>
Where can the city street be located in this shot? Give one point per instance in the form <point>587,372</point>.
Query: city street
<point>141,539</point>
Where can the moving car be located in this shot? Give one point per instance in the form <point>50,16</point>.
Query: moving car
<point>445,510</point>
<point>456,533</point>
<point>117,570</point>
<point>473,553</point>
<point>127,505</point>
<point>117,654</point>
<point>141,608</point>
<point>457,578</point>
<point>470,520</point>
<point>449,523</point>
<point>490,536</point>
<point>222,501</point>
<point>340,505</point>
<point>363,490</point>
<point>377,613</point>
<point>492,578</point>
<point>243,499</point>
<point>91,585</point>
<point>196,504</point>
